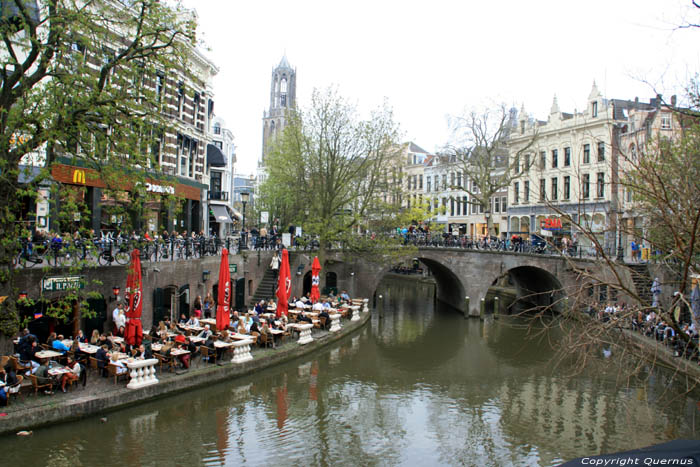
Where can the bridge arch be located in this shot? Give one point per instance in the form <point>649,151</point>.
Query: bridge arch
<point>534,289</point>
<point>449,287</point>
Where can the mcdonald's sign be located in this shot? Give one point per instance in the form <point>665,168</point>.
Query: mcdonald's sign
<point>79,176</point>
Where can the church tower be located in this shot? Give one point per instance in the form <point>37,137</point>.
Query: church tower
<point>283,90</point>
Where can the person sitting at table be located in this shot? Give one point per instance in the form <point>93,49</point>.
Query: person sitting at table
<point>271,304</point>
<point>299,305</point>
<point>43,376</point>
<point>162,330</point>
<point>324,314</point>
<point>105,341</point>
<point>206,332</point>
<point>241,326</point>
<point>293,301</point>
<point>302,318</point>
<point>265,329</point>
<point>318,307</point>
<point>27,354</point>
<point>102,358</point>
<point>95,337</point>
<point>224,336</point>
<point>254,328</point>
<point>9,378</point>
<point>140,352</point>
<point>235,316</point>
<point>193,321</point>
<point>327,304</point>
<point>260,307</point>
<point>306,298</point>
<point>26,336</point>
<point>344,296</point>
<point>185,358</point>
<point>147,343</point>
<point>59,346</point>
<point>121,368</point>
<point>168,323</point>
<point>74,374</point>
<point>80,337</point>
<point>52,337</point>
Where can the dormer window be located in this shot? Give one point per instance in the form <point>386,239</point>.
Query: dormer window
<point>594,109</point>
<point>665,122</point>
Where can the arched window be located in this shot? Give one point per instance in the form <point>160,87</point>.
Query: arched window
<point>272,128</point>
<point>283,85</point>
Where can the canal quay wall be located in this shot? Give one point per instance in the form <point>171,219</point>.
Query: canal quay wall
<point>38,411</point>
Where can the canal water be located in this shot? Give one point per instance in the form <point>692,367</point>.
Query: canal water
<point>419,385</point>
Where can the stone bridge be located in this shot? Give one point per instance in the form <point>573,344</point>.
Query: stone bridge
<point>542,280</point>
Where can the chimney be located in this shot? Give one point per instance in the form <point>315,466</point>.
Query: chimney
<point>673,100</point>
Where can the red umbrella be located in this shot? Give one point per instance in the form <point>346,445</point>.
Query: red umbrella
<point>134,329</point>
<point>315,280</point>
<point>223,317</point>
<point>283,285</point>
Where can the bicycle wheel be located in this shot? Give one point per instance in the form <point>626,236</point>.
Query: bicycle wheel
<point>122,256</point>
<point>105,258</point>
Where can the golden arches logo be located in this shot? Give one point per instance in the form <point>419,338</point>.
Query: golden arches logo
<point>79,176</point>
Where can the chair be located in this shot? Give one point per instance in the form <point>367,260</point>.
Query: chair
<point>207,354</point>
<point>14,389</point>
<point>19,368</point>
<point>4,360</point>
<point>266,341</point>
<point>169,362</point>
<point>37,386</point>
<point>45,346</point>
<point>93,363</point>
<point>112,370</point>
<point>323,322</point>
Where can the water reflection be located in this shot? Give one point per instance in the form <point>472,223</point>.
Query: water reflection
<point>420,385</point>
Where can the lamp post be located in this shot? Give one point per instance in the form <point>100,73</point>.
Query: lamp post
<point>245,196</point>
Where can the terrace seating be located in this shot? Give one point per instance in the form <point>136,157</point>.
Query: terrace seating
<point>37,386</point>
<point>112,370</point>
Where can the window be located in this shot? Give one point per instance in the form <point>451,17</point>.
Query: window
<point>586,153</point>
<point>516,193</point>
<point>217,128</point>
<point>195,111</point>
<point>504,203</point>
<point>594,109</point>
<point>567,157</point>
<point>567,187</point>
<point>555,158</point>
<point>420,181</point>
<point>193,157</point>
<point>459,207</point>
<point>452,207</point>
<point>160,85</point>
<point>586,186</point>
<point>543,189</point>
<point>452,179</point>
<point>219,144</point>
<point>497,204</point>
<point>555,188</point>
<point>427,183</point>
<point>183,149</point>
<point>665,122</point>
<point>215,184</point>
<point>444,182</point>
<point>465,206</point>
<point>516,164</point>
<point>527,163</point>
<point>601,151</point>
<point>601,185</point>
<point>180,99</point>
<point>527,191</point>
<point>459,179</point>
<point>543,160</point>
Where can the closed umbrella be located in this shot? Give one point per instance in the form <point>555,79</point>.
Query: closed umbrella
<point>133,334</point>
<point>284,284</point>
<point>695,302</point>
<point>315,280</point>
<point>223,317</point>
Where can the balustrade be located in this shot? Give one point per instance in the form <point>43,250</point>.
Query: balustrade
<point>142,372</point>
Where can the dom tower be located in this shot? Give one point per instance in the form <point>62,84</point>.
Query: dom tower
<point>283,89</point>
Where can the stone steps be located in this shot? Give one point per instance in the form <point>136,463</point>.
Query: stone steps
<point>642,282</point>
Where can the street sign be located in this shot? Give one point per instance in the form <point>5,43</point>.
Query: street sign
<point>233,268</point>
<point>264,217</point>
<point>51,284</point>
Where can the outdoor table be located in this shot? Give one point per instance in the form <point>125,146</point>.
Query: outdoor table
<point>210,321</point>
<point>58,371</point>
<point>196,339</point>
<point>240,337</point>
<point>117,339</point>
<point>268,315</point>
<point>222,344</point>
<point>48,354</point>
<point>178,352</point>
<point>88,348</point>
<point>120,355</point>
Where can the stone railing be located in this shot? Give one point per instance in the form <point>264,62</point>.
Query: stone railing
<point>335,322</point>
<point>365,301</point>
<point>305,333</point>
<point>241,351</point>
<point>142,372</point>
<point>355,309</point>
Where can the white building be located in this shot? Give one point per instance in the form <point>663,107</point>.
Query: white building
<point>221,157</point>
<point>566,177</point>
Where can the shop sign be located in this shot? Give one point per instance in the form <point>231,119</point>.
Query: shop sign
<point>153,188</point>
<point>79,177</point>
<point>51,284</point>
<point>551,224</point>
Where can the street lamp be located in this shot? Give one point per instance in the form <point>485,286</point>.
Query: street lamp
<point>245,196</point>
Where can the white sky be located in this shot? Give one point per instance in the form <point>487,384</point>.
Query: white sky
<point>435,58</point>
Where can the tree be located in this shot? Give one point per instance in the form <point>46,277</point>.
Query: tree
<point>80,82</point>
<point>481,153</point>
<point>328,169</point>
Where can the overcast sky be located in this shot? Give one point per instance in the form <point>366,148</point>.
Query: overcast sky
<point>434,59</point>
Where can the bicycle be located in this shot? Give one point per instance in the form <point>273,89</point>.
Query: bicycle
<point>24,258</point>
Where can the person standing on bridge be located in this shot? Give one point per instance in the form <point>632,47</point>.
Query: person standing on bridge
<point>275,266</point>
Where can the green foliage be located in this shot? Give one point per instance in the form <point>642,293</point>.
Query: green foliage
<point>78,86</point>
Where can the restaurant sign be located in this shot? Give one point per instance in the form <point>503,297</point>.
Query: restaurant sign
<point>551,224</point>
<point>51,284</point>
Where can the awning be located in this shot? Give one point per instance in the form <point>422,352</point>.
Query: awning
<point>215,158</point>
<point>220,213</point>
<point>237,215</point>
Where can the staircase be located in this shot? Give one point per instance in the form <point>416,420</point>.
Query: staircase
<point>268,285</point>
<point>642,282</point>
